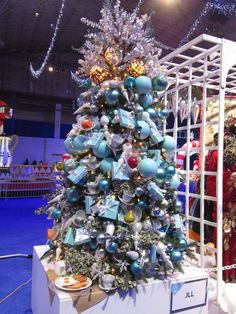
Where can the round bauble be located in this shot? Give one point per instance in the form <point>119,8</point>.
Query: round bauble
<point>79,217</point>
<point>56,213</point>
<point>142,130</point>
<point>70,165</point>
<point>159,83</point>
<point>133,255</point>
<point>142,204</point>
<point>106,165</point>
<point>129,82</point>
<point>104,185</point>
<point>129,217</point>
<point>139,191</point>
<point>182,245</point>
<point>155,212</point>
<point>87,124</point>
<point>153,114</point>
<point>136,268</point>
<point>93,245</point>
<point>145,100</point>
<point>79,144</point>
<point>100,253</point>
<point>161,174</point>
<point>170,171</point>
<point>143,85</point>
<point>60,166</point>
<point>102,150</point>
<point>169,247</point>
<point>147,167</point>
<point>176,256</point>
<point>174,182</point>
<point>132,162</point>
<point>168,143</point>
<point>72,194</point>
<point>101,238</point>
<point>104,120</point>
<point>112,96</point>
<point>159,182</point>
<point>68,143</point>
<point>178,205</point>
<point>163,113</point>
<point>111,247</point>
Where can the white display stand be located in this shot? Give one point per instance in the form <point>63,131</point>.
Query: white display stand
<point>189,294</point>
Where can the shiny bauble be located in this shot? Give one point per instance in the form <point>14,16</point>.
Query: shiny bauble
<point>163,113</point>
<point>93,108</point>
<point>142,130</point>
<point>178,205</point>
<point>70,165</point>
<point>68,143</point>
<point>101,238</point>
<point>164,204</point>
<point>79,217</point>
<point>161,173</point>
<point>143,85</point>
<point>129,217</point>
<point>102,150</point>
<point>153,114</point>
<point>60,166</point>
<point>104,120</point>
<point>159,83</point>
<point>129,82</point>
<point>155,212</point>
<point>169,247</point>
<point>139,191</point>
<point>142,204</point>
<point>79,144</point>
<point>104,185</point>
<point>86,124</point>
<point>133,255</point>
<point>168,143</point>
<point>112,96</point>
<point>182,245</point>
<point>174,182</point>
<point>145,100</point>
<point>170,171</point>
<point>136,227</point>
<point>72,194</point>
<point>106,165</point>
<point>93,233</point>
<point>111,247</point>
<point>159,182</point>
<point>147,167</point>
<point>147,225</point>
<point>56,213</point>
<point>132,162</point>
<point>100,253</point>
<point>136,268</point>
<point>93,245</point>
<point>176,256</point>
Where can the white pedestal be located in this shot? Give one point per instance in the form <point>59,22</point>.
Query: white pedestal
<point>152,297</point>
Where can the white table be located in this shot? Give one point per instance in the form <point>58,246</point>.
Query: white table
<point>153,297</point>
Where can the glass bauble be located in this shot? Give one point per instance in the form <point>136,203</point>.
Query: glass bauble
<point>143,85</point>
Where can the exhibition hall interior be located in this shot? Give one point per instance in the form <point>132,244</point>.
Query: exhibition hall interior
<point>117,156</point>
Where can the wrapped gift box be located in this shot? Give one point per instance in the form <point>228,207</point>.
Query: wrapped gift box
<point>95,140</point>
<point>126,119</point>
<point>119,174</point>
<point>155,192</point>
<point>69,238</point>
<point>109,209</point>
<point>88,204</point>
<point>156,136</point>
<point>77,175</point>
<point>81,237</point>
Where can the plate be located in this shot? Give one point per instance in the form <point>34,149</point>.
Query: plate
<point>64,288</point>
<point>103,288</point>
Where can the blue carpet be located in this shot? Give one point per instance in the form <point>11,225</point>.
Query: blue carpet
<point>20,230</point>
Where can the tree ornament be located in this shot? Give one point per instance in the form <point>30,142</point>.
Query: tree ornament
<point>111,247</point>
<point>170,171</point>
<point>176,256</point>
<point>147,167</point>
<point>106,165</point>
<point>182,245</point>
<point>112,96</point>
<point>135,68</point>
<point>168,143</point>
<point>161,174</point>
<point>98,74</point>
<point>136,268</point>
<point>174,182</point>
<point>159,83</point>
<point>142,130</point>
<point>60,166</point>
<point>143,85</point>
<point>79,144</point>
<point>102,150</point>
<point>93,245</point>
<point>153,114</point>
<point>129,82</point>
<point>104,185</point>
<point>70,165</point>
<point>145,100</point>
<point>56,213</point>
<point>133,255</point>
<point>163,113</point>
<point>86,124</point>
<point>68,143</point>
<point>72,194</point>
<point>101,238</point>
<point>129,216</point>
<point>79,217</point>
<point>155,212</point>
<point>111,56</point>
<point>169,247</point>
<point>139,191</point>
<point>132,162</point>
<point>178,205</point>
<point>142,204</point>
<point>104,120</point>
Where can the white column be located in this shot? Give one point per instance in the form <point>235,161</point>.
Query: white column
<point>57,121</point>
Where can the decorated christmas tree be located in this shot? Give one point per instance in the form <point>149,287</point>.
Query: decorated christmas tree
<point>117,212</point>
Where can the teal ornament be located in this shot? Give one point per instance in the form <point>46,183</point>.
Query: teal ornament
<point>112,96</point>
<point>142,130</point>
<point>161,173</point>
<point>93,245</point>
<point>106,165</point>
<point>129,82</point>
<point>159,182</point>
<point>102,150</point>
<point>163,114</point>
<point>142,204</point>
<point>79,144</point>
<point>68,143</point>
<point>72,194</point>
<point>153,114</point>
<point>101,238</point>
<point>159,83</point>
<point>145,100</point>
<point>136,268</point>
<point>143,85</point>
<point>70,165</point>
<point>174,182</point>
<point>168,143</point>
<point>176,256</point>
<point>182,245</point>
<point>104,185</point>
<point>56,213</point>
<point>112,247</point>
<point>147,167</point>
<point>170,171</point>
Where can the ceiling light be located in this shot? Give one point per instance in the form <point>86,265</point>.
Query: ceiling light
<point>50,69</point>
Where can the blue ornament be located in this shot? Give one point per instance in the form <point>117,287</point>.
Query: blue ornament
<point>153,114</point>
<point>129,82</point>
<point>104,185</point>
<point>106,165</point>
<point>163,114</point>
<point>136,268</point>
<point>145,100</point>
<point>143,85</point>
<point>168,143</point>
<point>56,213</point>
<point>176,256</point>
<point>169,248</point>
<point>178,205</point>
<point>142,204</point>
<point>72,194</point>
<point>102,150</point>
<point>155,212</point>
<point>139,191</point>
<point>142,130</point>
<point>161,173</point>
<point>112,247</point>
<point>70,165</point>
<point>68,143</point>
<point>50,244</point>
<point>182,245</point>
<point>159,83</point>
<point>112,96</point>
<point>93,245</point>
<point>79,144</point>
<point>101,238</point>
<point>174,182</point>
<point>170,171</point>
<point>147,167</point>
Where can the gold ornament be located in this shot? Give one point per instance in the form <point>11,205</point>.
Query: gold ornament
<point>111,56</point>
<point>136,68</point>
<point>98,74</point>
<point>129,216</point>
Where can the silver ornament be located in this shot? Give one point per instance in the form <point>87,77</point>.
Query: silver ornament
<point>133,255</point>
<point>139,191</point>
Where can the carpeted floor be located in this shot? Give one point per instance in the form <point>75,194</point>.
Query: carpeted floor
<point>20,230</point>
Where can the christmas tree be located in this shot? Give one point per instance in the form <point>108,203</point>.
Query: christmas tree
<point>117,212</point>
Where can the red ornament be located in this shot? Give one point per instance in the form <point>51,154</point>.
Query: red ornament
<point>87,124</point>
<point>132,162</point>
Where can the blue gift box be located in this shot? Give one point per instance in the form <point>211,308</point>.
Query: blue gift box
<point>109,209</point>
<point>121,173</point>
<point>126,119</point>
<point>95,140</point>
<point>155,192</point>
<point>81,236</point>
<point>88,203</point>
<point>178,222</point>
<point>156,136</point>
<point>69,238</point>
<point>77,175</point>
